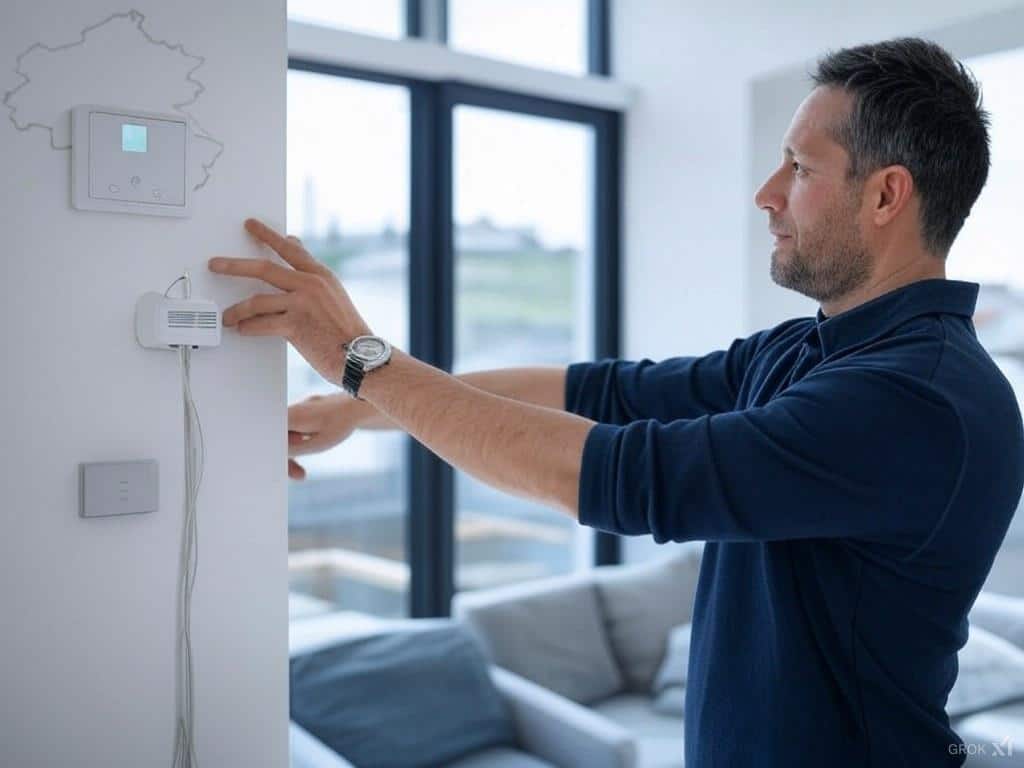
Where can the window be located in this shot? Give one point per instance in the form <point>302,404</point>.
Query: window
<point>549,34</point>
<point>348,192</point>
<point>554,35</point>
<point>459,208</point>
<point>385,18</point>
<point>986,252</point>
<point>523,267</point>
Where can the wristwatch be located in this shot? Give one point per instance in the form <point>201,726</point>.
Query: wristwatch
<point>362,355</point>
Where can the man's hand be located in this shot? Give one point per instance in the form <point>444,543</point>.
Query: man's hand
<point>321,422</point>
<point>314,313</point>
<point>529,450</point>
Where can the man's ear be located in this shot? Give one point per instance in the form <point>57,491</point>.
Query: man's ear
<point>888,191</point>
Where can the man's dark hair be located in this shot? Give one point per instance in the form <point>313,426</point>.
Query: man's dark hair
<point>914,105</point>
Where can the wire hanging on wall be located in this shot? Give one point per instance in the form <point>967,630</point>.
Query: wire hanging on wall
<point>195,459</point>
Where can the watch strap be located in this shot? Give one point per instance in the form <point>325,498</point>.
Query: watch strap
<point>352,376</point>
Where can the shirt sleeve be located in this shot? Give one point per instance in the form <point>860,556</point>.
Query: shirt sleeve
<point>621,391</point>
<point>856,452</point>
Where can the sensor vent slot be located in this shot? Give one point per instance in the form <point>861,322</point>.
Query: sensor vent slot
<point>190,319</point>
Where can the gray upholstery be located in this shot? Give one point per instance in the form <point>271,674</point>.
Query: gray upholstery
<point>1001,615</point>
<point>659,738</point>
<point>641,604</point>
<point>551,731</point>
<point>669,686</point>
<point>640,613</point>
<point>675,664</point>
<point>307,751</point>
<point>991,673</point>
<point>411,699</point>
<point>560,730</point>
<point>550,632</point>
<point>500,757</point>
<point>1002,726</point>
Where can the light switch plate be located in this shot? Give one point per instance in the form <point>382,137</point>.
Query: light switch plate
<point>127,161</point>
<point>118,487</point>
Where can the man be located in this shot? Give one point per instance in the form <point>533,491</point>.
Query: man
<point>853,473</point>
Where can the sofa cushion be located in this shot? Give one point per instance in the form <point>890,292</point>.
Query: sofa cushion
<point>670,701</point>
<point>307,751</point>
<point>641,603</point>
<point>549,632</point>
<point>500,757</point>
<point>991,673</point>
<point>669,687</point>
<point>659,739</point>
<point>673,669</point>
<point>400,699</point>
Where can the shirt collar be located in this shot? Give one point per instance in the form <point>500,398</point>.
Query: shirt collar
<point>881,314</point>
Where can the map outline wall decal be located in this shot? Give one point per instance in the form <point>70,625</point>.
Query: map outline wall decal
<point>31,60</point>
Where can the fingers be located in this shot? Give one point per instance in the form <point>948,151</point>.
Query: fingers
<point>288,248</point>
<point>260,269</point>
<point>295,470</point>
<point>307,416</point>
<point>266,325</point>
<point>267,235</point>
<point>260,304</point>
<point>297,438</point>
<point>300,444</point>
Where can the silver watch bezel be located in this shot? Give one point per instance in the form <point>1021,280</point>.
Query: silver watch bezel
<point>368,363</point>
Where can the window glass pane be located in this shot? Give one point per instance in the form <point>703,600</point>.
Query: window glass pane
<point>348,192</point>
<point>379,17</point>
<point>550,34</point>
<point>523,276</point>
<point>986,251</point>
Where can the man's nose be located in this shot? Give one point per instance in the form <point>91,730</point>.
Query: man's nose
<point>768,196</point>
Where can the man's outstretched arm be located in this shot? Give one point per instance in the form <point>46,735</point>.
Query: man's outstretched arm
<point>523,448</point>
<point>539,385</point>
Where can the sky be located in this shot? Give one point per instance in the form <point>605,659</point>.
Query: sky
<point>550,34</point>
<point>352,137</point>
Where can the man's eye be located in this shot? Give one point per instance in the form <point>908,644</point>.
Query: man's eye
<point>796,166</point>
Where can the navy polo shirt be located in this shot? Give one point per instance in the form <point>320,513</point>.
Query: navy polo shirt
<point>853,477</point>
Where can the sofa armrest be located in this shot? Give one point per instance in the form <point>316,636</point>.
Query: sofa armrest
<point>1001,615</point>
<point>307,751</point>
<point>561,731</point>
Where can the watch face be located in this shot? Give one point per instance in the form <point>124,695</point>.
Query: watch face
<point>368,348</point>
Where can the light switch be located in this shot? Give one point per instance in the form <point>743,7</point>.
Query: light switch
<point>128,161</point>
<point>118,487</point>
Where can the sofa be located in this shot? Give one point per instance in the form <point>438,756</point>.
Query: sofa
<point>596,638</point>
<point>550,731</point>
<point>599,638</point>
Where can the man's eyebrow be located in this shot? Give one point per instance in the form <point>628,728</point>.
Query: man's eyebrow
<point>790,151</point>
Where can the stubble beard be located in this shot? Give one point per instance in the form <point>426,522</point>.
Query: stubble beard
<point>830,263</point>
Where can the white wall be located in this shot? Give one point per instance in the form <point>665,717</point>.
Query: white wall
<point>87,646</point>
<point>695,272</point>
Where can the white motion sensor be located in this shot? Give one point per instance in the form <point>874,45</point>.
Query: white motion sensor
<point>165,323</point>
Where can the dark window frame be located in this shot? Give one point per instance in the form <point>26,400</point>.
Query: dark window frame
<point>598,30</point>
<point>430,526</point>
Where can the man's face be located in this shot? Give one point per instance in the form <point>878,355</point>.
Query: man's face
<point>819,250</point>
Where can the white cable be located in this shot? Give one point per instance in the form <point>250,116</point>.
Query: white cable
<point>184,747</point>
